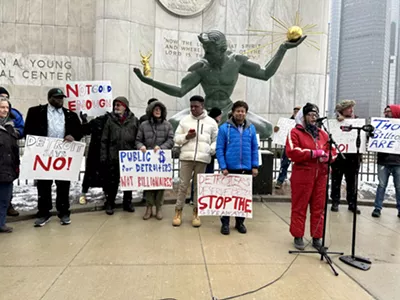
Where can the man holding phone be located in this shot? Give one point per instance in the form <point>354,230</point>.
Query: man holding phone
<point>196,134</point>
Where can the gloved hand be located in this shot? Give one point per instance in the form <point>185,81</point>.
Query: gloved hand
<point>83,118</point>
<point>324,159</point>
<point>318,153</point>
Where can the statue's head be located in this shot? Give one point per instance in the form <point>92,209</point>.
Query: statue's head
<point>215,45</point>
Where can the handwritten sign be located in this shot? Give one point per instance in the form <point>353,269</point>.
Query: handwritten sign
<point>346,141</point>
<point>386,136</point>
<point>91,97</point>
<point>285,125</point>
<point>145,170</point>
<point>51,158</point>
<point>230,195</point>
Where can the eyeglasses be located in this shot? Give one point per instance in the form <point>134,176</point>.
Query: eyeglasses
<point>313,115</point>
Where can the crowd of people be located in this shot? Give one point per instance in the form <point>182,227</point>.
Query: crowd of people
<point>200,140</point>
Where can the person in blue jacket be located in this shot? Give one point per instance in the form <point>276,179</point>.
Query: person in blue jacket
<point>19,124</point>
<point>237,152</point>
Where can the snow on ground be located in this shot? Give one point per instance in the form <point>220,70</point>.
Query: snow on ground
<point>25,193</point>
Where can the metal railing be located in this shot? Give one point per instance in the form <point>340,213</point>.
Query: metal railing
<point>368,169</point>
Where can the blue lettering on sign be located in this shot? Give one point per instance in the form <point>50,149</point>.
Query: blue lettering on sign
<point>161,157</point>
<point>135,156</point>
<point>109,88</point>
<point>382,144</point>
<point>100,89</point>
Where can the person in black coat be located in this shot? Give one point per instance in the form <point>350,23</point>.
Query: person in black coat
<point>9,160</point>
<point>53,120</point>
<point>94,173</point>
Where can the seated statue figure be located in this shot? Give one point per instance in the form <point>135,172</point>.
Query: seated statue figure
<point>218,72</point>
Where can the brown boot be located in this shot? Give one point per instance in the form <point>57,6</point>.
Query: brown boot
<point>196,220</point>
<point>149,213</point>
<point>177,221</point>
<point>12,212</point>
<point>159,215</point>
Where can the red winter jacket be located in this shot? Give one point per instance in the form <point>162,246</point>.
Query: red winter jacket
<point>300,143</point>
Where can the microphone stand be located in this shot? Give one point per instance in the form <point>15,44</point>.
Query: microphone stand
<point>323,250</point>
<point>353,260</point>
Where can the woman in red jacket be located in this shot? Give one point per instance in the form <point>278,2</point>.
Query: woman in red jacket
<point>308,148</point>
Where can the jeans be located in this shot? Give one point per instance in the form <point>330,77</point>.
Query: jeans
<point>383,177</point>
<point>5,196</point>
<point>285,163</point>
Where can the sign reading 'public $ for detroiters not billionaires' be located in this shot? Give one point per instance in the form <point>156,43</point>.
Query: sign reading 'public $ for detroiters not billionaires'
<point>386,136</point>
<point>145,170</point>
<point>51,159</point>
<point>230,195</point>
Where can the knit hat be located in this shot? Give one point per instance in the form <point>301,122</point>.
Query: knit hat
<point>342,105</point>
<point>215,112</point>
<point>4,91</point>
<point>309,107</point>
<point>122,100</point>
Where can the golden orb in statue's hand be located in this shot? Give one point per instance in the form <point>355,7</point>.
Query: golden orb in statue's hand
<point>294,33</point>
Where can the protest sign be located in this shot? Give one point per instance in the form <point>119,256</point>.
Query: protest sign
<point>51,158</point>
<point>386,137</point>
<point>346,140</point>
<point>93,98</point>
<point>220,195</point>
<point>145,170</point>
<point>285,125</point>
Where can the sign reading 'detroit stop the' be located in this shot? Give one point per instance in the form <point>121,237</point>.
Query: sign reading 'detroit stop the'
<point>145,170</point>
<point>51,158</point>
<point>91,97</point>
<point>346,140</point>
<point>220,195</point>
<point>386,136</point>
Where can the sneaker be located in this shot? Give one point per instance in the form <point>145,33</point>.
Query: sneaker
<point>40,222</point>
<point>82,200</point>
<point>351,208</point>
<point>316,243</point>
<point>278,185</point>
<point>225,229</point>
<point>335,207</point>
<point>299,243</point>
<point>6,229</point>
<point>241,228</point>
<point>377,213</point>
<point>65,220</point>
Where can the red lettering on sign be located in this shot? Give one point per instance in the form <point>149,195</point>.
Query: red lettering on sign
<point>74,90</point>
<point>72,105</point>
<point>57,164</point>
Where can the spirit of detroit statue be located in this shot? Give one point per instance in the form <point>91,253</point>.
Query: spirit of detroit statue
<point>218,72</point>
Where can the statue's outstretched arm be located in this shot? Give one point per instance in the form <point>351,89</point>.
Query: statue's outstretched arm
<point>188,83</point>
<point>254,70</point>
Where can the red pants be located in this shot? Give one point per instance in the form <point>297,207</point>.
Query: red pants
<point>308,187</point>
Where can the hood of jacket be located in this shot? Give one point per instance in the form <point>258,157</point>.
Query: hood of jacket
<point>299,119</point>
<point>9,117</point>
<point>202,116</point>
<point>395,111</point>
<point>150,108</point>
<point>123,100</point>
<point>246,123</point>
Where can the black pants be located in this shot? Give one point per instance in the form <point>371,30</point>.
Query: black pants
<point>239,220</point>
<point>45,204</point>
<point>111,191</point>
<point>347,167</point>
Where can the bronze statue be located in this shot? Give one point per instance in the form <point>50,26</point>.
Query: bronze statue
<point>218,72</point>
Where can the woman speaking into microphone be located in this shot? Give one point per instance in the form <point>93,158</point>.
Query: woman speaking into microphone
<point>307,147</point>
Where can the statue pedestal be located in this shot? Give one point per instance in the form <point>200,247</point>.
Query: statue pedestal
<point>262,184</point>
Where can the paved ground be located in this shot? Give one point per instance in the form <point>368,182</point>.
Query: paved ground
<point>124,257</point>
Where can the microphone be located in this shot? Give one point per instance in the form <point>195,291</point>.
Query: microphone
<point>321,119</point>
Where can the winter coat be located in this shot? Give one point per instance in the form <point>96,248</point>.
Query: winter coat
<point>9,152</point>
<point>36,122</point>
<point>117,136</point>
<point>203,145</point>
<point>386,159</point>
<point>154,132</point>
<point>93,172</point>
<point>18,122</point>
<point>235,150</point>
